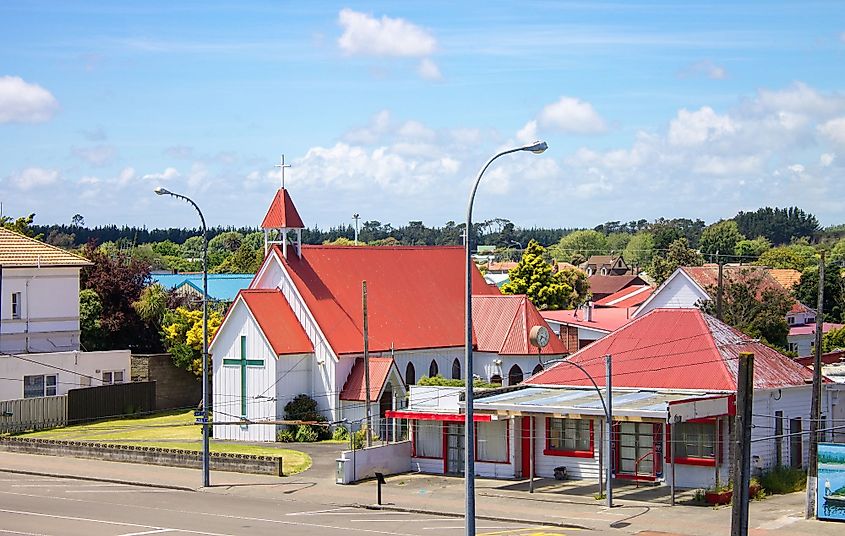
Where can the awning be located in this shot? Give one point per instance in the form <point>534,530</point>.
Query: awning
<point>424,416</point>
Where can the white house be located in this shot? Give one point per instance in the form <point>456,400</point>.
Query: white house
<point>666,358</point>
<point>298,329</point>
<point>39,323</point>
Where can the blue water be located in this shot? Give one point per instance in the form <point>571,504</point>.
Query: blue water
<point>835,474</point>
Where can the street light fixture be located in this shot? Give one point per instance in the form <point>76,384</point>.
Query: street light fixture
<point>469,430</point>
<point>205,430</point>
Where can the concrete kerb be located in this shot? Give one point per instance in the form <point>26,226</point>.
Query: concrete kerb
<point>99,479</point>
<point>458,515</point>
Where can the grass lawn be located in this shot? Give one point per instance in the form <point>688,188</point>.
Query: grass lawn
<point>175,430</point>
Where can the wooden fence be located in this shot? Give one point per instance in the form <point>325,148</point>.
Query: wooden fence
<point>102,402</point>
<point>33,413</point>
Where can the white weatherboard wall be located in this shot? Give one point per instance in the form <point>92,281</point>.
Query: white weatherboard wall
<point>80,369</point>
<point>576,468</point>
<point>49,319</point>
<point>678,292</point>
<point>227,380</point>
<point>794,402</point>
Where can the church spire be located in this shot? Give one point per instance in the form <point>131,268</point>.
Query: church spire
<point>281,218</point>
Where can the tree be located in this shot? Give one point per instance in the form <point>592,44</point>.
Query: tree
<point>182,335</point>
<point>243,261</point>
<point>752,249</point>
<point>833,340</point>
<point>807,290</point>
<point>90,309</point>
<point>118,281</point>
<point>77,220</point>
<point>797,257</point>
<point>22,225</point>
<point>837,252</point>
<point>547,289</point>
<point>752,306</point>
<point>227,242</point>
<point>640,249</point>
<point>579,244</point>
<point>779,225</point>
<point>152,304</point>
<point>679,254</point>
<point>721,238</point>
<point>616,242</point>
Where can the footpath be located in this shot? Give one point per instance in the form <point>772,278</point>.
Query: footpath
<point>779,515</point>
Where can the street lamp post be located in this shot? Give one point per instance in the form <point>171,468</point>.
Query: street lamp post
<point>469,431</point>
<point>205,430</point>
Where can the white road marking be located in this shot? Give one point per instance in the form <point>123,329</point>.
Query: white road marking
<point>394,520</point>
<point>64,485</point>
<point>779,523</point>
<point>159,531</point>
<point>151,490</point>
<point>330,510</point>
<point>19,533</point>
<point>105,522</point>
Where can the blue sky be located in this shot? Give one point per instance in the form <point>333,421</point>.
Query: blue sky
<point>388,109</point>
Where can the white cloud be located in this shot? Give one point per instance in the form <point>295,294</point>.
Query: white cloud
<point>97,155</point>
<point>23,102</point>
<point>366,35</point>
<point>704,68</point>
<point>125,176</point>
<point>429,70</point>
<point>34,177</point>
<point>568,114</point>
<point>694,128</point>
<point>826,159</point>
<point>168,174</point>
<point>834,130</point>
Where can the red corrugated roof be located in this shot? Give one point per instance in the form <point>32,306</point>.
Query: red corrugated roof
<point>355,386</point>
<point>277,321</point>
<point>282,213</point>
<point>416,294</point>
<point>627,297</point>
<point>809,329</point>
<point>676,349</point>
<point>604,318</point>
<point>502,324</point>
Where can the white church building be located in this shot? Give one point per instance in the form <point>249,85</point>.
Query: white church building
<point>298,329</point>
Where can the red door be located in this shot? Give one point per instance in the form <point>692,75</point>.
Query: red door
<point>526,447</point>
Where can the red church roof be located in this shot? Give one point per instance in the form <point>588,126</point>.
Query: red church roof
<point>416,294</point>
<point>282,213</point>
<point>277,321</point>
<point>355,387</point>
<point>676,349</point>
<point>502,324</point>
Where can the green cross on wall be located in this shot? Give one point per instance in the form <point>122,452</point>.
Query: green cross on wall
<point>243,363</point>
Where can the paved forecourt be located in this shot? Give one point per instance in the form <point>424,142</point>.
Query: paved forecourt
<point>48,506</point>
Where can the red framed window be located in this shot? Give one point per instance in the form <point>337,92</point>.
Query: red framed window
<point>492,441</point>
<point>695,442</point>
<point>569,437</point>
<point>427,439</point>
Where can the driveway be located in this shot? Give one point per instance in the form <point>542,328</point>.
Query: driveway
<point>323,455</point>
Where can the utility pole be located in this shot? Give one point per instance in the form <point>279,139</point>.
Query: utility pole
<point>367,365</point>
<point>608,383</point>
<point>720,288</point>
<point>742,467</point>
<point>355,217</point>
<point>815,405</point>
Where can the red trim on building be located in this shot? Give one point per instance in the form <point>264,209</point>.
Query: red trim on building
<point>549,451</point>
<point>421,416</point>
<point>703,462</point>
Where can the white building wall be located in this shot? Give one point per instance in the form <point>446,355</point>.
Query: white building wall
<point>576,468</point>
<point>292,378</point>
<point>794,402</point>
<point>50,310</point>
<point>72,369</point>
<point>696,476</point>
<point>676,293</point>
<point>804,344</point>
<point>259,380</point>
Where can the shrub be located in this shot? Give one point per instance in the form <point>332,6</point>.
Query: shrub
<point>285,436</point>
<point>306,434</point>
<point>782,479</point>
<point>359,438</point>
<point>340,434</point>
<point>440,381</point>
<point>302,408</point>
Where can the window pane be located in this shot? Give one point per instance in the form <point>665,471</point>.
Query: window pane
<point>492,439</point>
<point>33,386</point>
<point>106,377</point>
<point>50,380</point>
<point>118,376</point>
<point>569,434</point>
<point>428,439</point>
<point>694,440</point>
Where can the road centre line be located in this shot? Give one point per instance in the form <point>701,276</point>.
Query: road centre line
<point>118,491</point>
<point>159,531</point>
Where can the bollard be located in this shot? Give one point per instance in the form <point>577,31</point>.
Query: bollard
<point>380,479</point>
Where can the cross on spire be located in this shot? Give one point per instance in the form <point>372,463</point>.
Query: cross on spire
<point>282,165</point>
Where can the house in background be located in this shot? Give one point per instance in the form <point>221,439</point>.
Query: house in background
<point>39,323</point>
<point>298,329</point>
<point>627,298</point>
<point>605,265</point>
<point>602,286</point>
<point>579,327</point>
<point>802,329</point>
<point>222,288</point>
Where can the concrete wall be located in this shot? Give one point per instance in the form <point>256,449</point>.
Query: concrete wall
<point>49,319</point>
<point>238,463</point>
<point>175,387</point>
<point>389,459</point>
<point>81,369</point>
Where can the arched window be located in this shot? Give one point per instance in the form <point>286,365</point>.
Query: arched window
<point>432,369</point>
<point>410,374</point>
<point>515,375</point>
<point>456,369</point>
<point>495,379</point>
<point>537,370</point>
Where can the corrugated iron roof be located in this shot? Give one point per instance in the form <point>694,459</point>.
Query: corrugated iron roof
<point>282,213</point>
<point>355,386</point>
<point>603,318</point>
<point>17,250</point>
<point>810,329</point>
<point>502,324</point>
<point>416,294</point>
<point>627,297</point>
<point>676,349</point>
<point>278,322</point>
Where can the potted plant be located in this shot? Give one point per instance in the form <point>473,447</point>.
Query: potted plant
<point>718,495</point>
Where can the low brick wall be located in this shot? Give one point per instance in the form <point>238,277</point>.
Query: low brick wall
<point>236,463</point>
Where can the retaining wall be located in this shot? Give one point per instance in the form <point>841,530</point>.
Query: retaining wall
<point>389,459</point>
<point>237,463</point>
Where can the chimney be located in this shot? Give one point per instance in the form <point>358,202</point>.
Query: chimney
<point>588,314</point>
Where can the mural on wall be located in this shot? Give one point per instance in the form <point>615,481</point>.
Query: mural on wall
<point>830,503</point>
